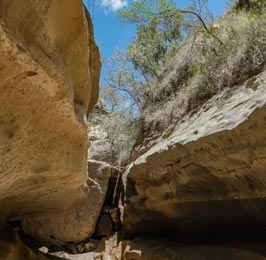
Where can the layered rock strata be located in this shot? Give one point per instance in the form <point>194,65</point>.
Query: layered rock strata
<point>208,177</point>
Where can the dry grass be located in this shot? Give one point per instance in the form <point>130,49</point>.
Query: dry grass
<point>112,136</point>
<point>203,67</point>
<point>200,68</point>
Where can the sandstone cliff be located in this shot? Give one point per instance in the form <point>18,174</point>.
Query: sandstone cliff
<point>207,178</point>
<point>49,81</point>
<point>204,180</point>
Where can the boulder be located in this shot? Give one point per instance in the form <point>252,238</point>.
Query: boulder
<point>133,255</point>
<point>208,177</point>
<point>79,224</point>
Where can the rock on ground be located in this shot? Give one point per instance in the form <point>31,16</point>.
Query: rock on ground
<point>79,224</point>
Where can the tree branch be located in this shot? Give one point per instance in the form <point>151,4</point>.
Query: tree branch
<point>188,12</point>
<point>202,22</point>
<point>128,92</point>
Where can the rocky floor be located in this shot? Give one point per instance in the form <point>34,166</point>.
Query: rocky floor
<point>85,256</point>
<point>164,249</point>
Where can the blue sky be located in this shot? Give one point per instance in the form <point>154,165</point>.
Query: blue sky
<point>111,33</point>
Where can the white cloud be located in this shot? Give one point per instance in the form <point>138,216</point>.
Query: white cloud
<point>113,5</point>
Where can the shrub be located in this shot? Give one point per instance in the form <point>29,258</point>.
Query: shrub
<point>203,67</point>
<point>112,136</point>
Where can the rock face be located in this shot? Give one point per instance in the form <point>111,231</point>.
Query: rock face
<point>49,71</point>
<point>99,141</point>
<point>169,250</point>
<point>208,177</point>
<point>13,248</point>
<point>79,224</point>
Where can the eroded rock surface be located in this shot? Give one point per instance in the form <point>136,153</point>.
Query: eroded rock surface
<point>49,71</point>
<point>208,177</point>
<point>80,223</point>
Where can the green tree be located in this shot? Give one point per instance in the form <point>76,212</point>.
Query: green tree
<point>158,30</point>
<point>250,5</point>
<point>116,115</point>
<point>161,28</point>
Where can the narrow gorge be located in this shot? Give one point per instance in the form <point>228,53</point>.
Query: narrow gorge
<point>194,191</point>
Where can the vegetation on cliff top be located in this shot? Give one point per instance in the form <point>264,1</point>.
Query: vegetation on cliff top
<point>177,61</point>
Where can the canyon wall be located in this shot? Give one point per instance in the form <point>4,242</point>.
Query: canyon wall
<point>207,179</point>
<point>202,181</point>
<point>50,69</point>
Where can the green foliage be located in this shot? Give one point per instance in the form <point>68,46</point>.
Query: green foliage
<point>116,118</point>
<point>253,7</point>
<point>165,73</point>
<point>193,69</point>
<point>158,29</point>
<point>202,67</point>
<point>257,5</point>
<point>141,11</point>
